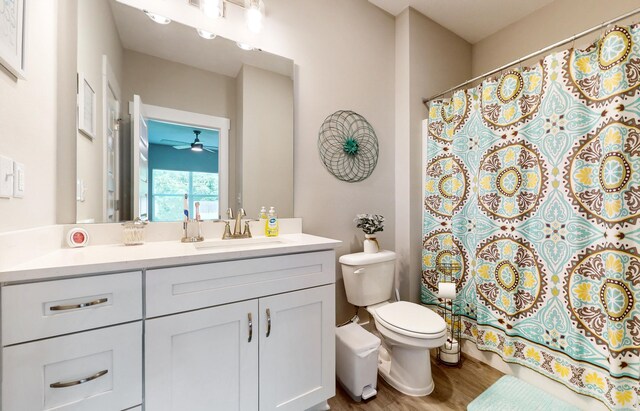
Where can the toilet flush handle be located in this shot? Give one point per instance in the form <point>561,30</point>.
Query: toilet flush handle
<point>359,270</point>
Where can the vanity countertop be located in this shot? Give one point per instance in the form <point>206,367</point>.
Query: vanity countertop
<point>117,257</point>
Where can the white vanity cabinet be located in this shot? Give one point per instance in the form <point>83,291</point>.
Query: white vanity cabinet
<point>274,351</point>
<point>247,334</point>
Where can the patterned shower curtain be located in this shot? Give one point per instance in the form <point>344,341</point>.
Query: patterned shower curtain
<point>532,184</point>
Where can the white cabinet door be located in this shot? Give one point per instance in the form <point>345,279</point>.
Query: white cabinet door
<point>297,349</point>
<point>203,360</point>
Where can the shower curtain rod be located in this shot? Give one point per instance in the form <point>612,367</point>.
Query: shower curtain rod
<point>536,53</point>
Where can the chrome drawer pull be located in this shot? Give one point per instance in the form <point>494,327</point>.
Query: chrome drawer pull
<point>250,327</point>
<point>78,382</point>
<point>76,306</point>
<point>268,322</point>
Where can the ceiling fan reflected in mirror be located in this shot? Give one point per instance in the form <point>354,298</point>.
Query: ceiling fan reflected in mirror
<point>196,146</point>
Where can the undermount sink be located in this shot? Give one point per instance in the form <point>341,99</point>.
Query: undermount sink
<point>239,242</point>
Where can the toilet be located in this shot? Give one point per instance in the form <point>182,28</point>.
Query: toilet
<point>408,330</point>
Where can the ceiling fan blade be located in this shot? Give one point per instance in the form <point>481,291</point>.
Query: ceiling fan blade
<point>174,142</point>
<point>210,150</point>
<point>182,147</point>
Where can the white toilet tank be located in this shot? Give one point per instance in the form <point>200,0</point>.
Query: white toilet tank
<point>368,278</point>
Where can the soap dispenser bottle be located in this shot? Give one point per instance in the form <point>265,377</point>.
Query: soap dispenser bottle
<point>262,216</point>
<point>271,229</point>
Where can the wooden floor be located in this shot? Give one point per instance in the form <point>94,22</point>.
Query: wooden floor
<point>455,388</point>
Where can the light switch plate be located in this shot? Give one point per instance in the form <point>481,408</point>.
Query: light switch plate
<point>6,177</point>
<point>18,179</point>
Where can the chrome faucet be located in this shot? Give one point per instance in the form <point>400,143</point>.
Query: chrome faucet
<point>237,229</point>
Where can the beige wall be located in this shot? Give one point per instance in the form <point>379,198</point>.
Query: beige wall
<point>344,53</point>
<point>403,169</point>
<point>28,122</point>
<point>67,138</point>
<point>431,58</point>
<point>557,21</point>
<point>267,141</point>
<point>97,36</point>
<point>164,83</point>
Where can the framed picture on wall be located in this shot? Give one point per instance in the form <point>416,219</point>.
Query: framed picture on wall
<point>86,107</point>
<point>13,19</point>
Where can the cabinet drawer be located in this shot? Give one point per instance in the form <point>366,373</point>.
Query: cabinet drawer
<point>171,290</point>
<point>94,370</point>
<point>50,308</point>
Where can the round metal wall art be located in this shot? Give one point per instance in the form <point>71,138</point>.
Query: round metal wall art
<point>348,146</point>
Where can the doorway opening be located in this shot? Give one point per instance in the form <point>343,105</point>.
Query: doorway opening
<point>178,153</point>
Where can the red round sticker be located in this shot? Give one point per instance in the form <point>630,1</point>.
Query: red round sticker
<point>78,237</point>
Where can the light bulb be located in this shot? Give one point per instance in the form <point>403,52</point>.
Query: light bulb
<point>211,8</point>
<point>244,46</point>
<point>157,18</point>
<point>254,18</point>
<point>206,34</point>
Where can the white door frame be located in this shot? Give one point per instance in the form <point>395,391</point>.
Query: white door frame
<point>139,150</point>
<point>221,124</point>
<point>109,85</point>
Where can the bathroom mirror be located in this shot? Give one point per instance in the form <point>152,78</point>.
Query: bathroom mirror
<point>166,112</point>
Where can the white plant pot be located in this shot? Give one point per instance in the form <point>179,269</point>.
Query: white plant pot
<point>371,245</point>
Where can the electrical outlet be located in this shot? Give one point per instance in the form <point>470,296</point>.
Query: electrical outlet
<point>6,177</point>
<point>18,179</point>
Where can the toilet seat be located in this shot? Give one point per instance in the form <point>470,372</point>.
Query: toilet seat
<point>411,320</point>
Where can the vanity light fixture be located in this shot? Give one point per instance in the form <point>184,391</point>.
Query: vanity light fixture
<point>255,15</point>
<point>245,46</point>
<point>211,8</point>
<point>254,10</point>
<point>206,34</point>
<point>157,18</point>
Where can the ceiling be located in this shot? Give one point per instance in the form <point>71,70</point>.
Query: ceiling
<point>181,44</point>
<point>163,133</point>
<point>473,20</point>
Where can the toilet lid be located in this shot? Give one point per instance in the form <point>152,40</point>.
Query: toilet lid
<point>367,258</point>
<point>411,317</point>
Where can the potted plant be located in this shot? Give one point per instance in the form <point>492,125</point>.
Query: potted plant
<point>370,225</point>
